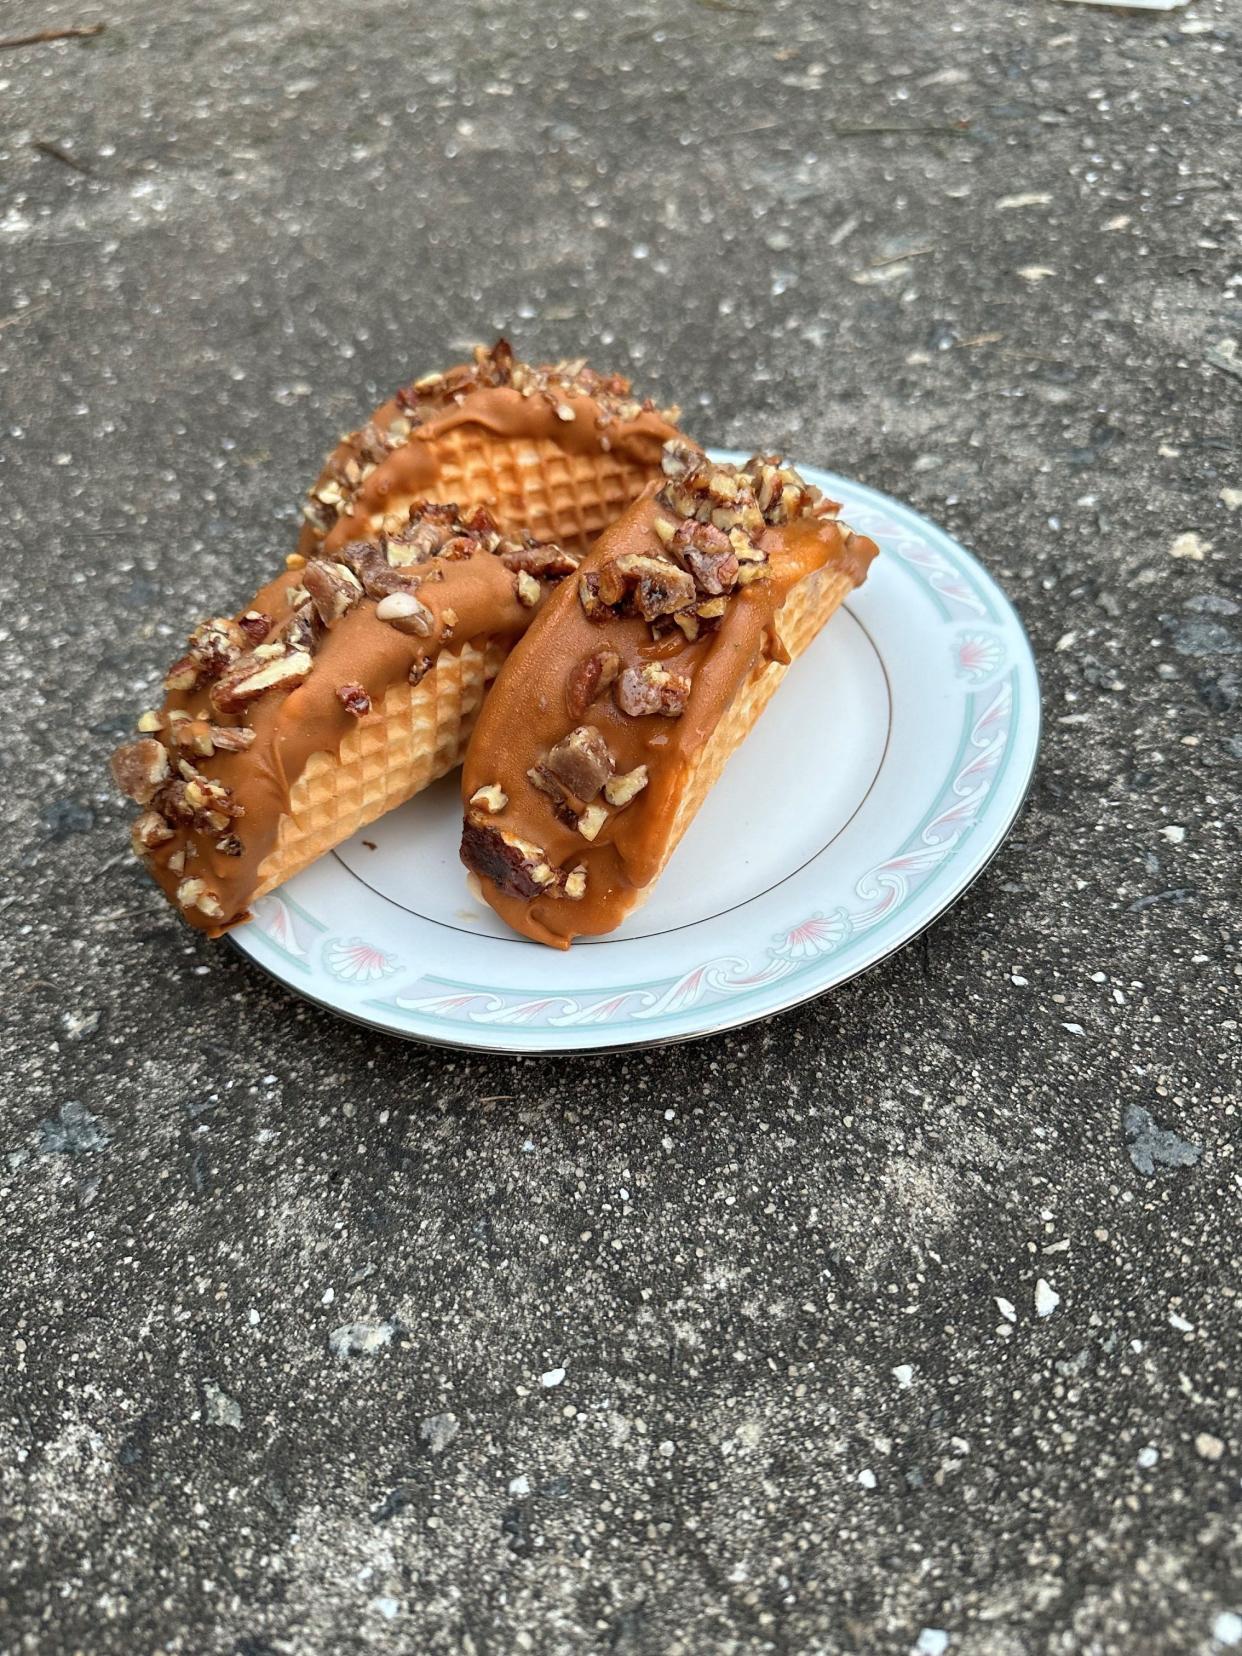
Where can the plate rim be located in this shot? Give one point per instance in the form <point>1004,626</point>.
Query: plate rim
<point>723,1016</point>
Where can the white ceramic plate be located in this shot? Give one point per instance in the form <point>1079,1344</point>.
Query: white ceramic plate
<point>882,778</point>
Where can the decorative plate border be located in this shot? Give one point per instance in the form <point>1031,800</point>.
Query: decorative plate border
<point>990,660</point>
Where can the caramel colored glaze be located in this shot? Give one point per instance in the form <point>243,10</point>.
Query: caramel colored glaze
<point>526,714</point>
<point>411,471</point>
<point>290,727</point>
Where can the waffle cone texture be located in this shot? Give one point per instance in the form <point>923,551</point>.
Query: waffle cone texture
<point>419,733</point>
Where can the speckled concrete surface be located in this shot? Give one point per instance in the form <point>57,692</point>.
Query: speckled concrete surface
<point>907,1322</point>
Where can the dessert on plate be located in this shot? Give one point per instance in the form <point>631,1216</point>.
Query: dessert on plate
<point>641,675</point>
<point>353,679</point>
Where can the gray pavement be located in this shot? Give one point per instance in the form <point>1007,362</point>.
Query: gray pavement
<point>282,1300</point>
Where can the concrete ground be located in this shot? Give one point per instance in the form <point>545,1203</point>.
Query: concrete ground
<point>282,1301</point>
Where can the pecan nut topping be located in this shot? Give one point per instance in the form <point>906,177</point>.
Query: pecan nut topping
<point>620,790</point>
<point>543,562</point>
<point>709,555</point>
<point>582,762</point>
<point>652,689</point>
<point>334,589</point>
<point>590,679</point>
<point>140,768</point>
<point>149,831</point>
<point>354,699</point>
<point>492,798</point>
<point>657,586</point>
<point>253,675</point>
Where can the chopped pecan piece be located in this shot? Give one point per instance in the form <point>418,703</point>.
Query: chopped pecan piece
<point>620,790</point>
<point>582,762</point>
<point>207,798</point>
<point>299,633</point>
<point>231,738</point>
<point>528,589</point>
<point>194,734</point>
<point>652,689</point>
<point>406,613</point>
<point>334,589</point>
<point>680,457</point>
<point>589,596</point>
<point>230,846</point>
<point>214,645</point>
<point>539,776</point>
<point>782,494</point>
<point>149,831</point>
<point>658,586</point>
<point>543,562</point>
<point>592,820</point>
<point>182,675</point>
<point>354,699</point>
<point>369,562</point>
<point>576,884</point>
<point>491,798</point>
<point>589,680</point>
<point>255,625</point>
<point>149,723</point>
<point>193,893</point>
<point>139,768</point>
<point>253,675</point>
<point>419,670</point>
<point>708,554</point>
<point>515,865</point>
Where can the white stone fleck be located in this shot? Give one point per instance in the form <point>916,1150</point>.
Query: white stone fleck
<point>438,1431</point>
<point>903,1374</point>
<point>552,1377</point>
<point>1148,1455</point>
<point>360,1339</point>
<point>1176,1320</point>
<point>1209,1446</point>
<point>1190,546</point>
<point>1227,1628</point>
<point>867,1478</point>
<point>386,1607</point>
<point>1046,1298</point>
<point>222,1410</point>
<point>519,1485</point>
<point>1007,1309</point>
<point>1174,833</point>
<point>932,1641</point>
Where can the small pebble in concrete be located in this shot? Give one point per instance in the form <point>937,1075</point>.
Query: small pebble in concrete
<point>219,1409</point>
<point>74,1131</point>
<point>1046,1298</point>
<point>359,1339</point>
<point>932,1641</point>
<point>1150,1145</point>
<point>438,1431</point>
<point>552,1377</point>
